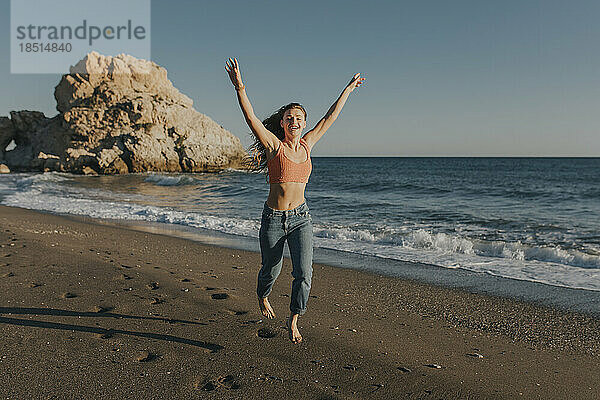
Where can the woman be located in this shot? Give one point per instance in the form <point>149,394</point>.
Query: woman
<point>281,149</point>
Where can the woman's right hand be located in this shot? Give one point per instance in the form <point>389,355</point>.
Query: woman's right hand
<point>355,82</point>
<point>233,69</point>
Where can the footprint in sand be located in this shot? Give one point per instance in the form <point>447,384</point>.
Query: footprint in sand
<point>269,377</point>
<point>8,275</point>
<point>152,285</point>
<point>267,333</point>
<point>100,309</point>
<point>156,300</point>
<point>106,335</point>
<point>219,296</point>
<point>227,382</point>
<point>236,312</point>
<point>185,280</point>
<point>68,295</point>
<point>252,322</point>
<point>34,285</point>
<point>145,356</point>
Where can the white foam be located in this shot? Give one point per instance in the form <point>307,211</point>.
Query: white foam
<point>421,239</point>
<point>129,211</point>
<point>548,272</point>
<point>245,171</point>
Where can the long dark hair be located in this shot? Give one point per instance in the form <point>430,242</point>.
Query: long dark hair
<point>256,159</point>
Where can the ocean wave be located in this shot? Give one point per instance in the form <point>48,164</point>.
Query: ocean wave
<point>546,272</point>
<point>28,179</point>
<point>170,180</point>
<point>343,233</point>
<point>448,243</point>
<point>129,211</point>
<point>592,193</point>
<point>204,188</point>
<point>396,187</point>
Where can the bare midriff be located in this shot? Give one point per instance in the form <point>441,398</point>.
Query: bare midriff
<point>286,196</point>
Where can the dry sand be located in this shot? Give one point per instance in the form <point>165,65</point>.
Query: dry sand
<point>99,312</point>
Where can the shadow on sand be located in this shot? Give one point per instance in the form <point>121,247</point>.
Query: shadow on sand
<point>97,330</point>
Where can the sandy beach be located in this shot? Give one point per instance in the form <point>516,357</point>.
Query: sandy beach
<point>101,312</point>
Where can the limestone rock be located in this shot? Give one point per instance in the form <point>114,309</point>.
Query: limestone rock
<point>118,115</point>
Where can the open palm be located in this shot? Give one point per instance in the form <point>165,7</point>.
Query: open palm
<point>233,70</point>
<point>355,82</point>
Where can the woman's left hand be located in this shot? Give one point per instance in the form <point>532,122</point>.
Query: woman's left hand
<point>355,82</point>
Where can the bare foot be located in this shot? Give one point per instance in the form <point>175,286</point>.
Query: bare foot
<point>265,307</point>
<point>292,326</point>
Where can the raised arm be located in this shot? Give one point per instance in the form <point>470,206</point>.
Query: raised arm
<point>313,136</point>
<point>266,137</point>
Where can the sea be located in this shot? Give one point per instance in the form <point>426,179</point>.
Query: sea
<point>525,219</point>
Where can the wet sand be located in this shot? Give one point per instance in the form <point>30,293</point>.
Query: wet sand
<point>95,311</point>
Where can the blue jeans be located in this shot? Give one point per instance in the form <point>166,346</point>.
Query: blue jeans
<point>276,227</point>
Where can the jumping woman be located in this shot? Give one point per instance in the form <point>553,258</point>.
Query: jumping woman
<point>281,150</point>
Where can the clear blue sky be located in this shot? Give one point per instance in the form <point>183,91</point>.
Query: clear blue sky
<point>444,78</point>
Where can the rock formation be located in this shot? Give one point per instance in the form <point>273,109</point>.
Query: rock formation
<point>118,115</point>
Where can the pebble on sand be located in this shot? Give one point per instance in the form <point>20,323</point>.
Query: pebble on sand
<point>475,355</point>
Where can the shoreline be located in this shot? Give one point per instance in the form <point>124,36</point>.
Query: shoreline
<point>83,301</point>
<point>543,294</point>
<point>507,253</point>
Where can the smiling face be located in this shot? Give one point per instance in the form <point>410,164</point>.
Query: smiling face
<point>293,122</point>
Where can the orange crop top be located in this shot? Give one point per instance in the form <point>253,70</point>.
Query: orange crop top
<point>282,169</point>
